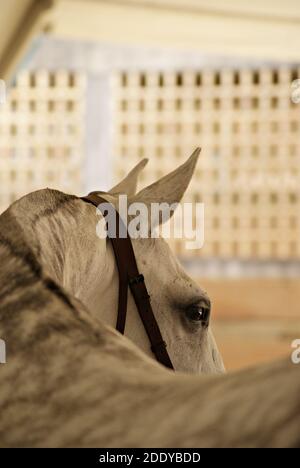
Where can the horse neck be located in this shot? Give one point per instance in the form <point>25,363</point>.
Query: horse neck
<point>93,278</point>
<point>90,272</point>
<point>63,233</point>
<point>87,266</point>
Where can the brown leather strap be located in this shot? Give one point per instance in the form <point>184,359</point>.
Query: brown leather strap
<point>129,275</point>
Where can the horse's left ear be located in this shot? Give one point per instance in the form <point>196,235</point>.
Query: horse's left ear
<point>128,186</point>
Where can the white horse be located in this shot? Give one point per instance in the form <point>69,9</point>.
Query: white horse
<point>88,271</point>
<point>71,380</point>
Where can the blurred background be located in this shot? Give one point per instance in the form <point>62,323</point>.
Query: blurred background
<point>93,86</point>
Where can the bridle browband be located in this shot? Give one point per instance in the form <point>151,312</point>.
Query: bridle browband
<point>129,276</point>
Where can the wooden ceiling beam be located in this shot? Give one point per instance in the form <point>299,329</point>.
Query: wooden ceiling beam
<point>31,24</point>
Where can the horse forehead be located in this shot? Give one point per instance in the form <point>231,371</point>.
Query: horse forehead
<point>171,267</point>
<point>154,251</point>
<point>158,259</point>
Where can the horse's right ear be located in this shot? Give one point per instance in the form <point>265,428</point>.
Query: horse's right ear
<point>128,186</point>
<point>167,191</point>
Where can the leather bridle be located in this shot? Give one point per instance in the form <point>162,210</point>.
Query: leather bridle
<point>129,275</point>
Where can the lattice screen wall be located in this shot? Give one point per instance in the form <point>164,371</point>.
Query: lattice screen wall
<point>41,134</point>
<point>249,131</point>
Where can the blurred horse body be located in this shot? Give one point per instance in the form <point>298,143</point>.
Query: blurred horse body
<point>71,380</point>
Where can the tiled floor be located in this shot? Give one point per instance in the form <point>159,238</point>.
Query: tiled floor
<point>246,343</point>
<point>254,320</point>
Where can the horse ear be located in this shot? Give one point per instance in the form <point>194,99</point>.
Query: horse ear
<point>170,188</point>
<point>128,185</point>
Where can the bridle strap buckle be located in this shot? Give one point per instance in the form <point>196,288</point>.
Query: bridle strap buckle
<point>156,347</point>
<point>136,279</point>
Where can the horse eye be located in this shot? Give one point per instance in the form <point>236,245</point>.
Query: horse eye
<point>198,314</point>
